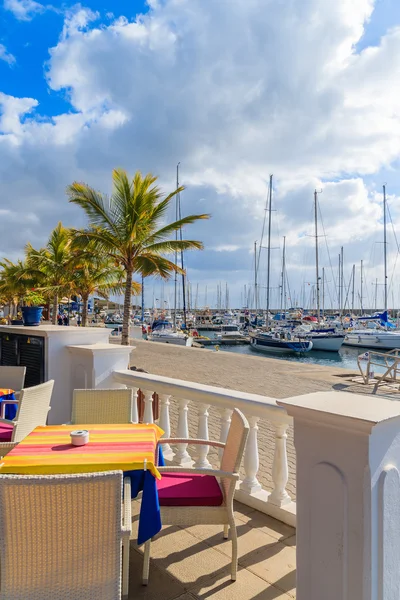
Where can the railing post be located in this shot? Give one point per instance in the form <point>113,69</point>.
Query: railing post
<point>165,425</point>
<point>135,415</point>
<point>226,414</point>
<point>182,455</point>
<point>250,483</point>
<point>202,434</point>
<point>280,472</point>
<point>148,406</point>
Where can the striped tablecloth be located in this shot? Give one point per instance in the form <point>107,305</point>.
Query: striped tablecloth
<point>47,450</point>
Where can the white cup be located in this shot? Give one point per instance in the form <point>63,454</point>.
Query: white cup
<point>79,437</point>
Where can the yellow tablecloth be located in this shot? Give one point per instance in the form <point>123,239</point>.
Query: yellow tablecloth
<point>47,450</point>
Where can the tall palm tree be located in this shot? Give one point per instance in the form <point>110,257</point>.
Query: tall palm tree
<point>128,227</point>
<point>50,266</point>
<point>96,274</point>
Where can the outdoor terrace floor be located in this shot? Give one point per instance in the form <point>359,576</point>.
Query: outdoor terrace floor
<point>194,563</point>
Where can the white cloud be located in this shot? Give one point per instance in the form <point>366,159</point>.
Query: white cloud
<point>6,56</point>
<point>23,10</point>
<point>234,95</point>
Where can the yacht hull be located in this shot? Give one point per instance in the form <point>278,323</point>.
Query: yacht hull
<point>327,343</point>
<point>373,340</point>
<point>275,345</point>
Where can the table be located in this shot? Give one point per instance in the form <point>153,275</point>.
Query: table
<point>127,447</point>
<point>11,409</point>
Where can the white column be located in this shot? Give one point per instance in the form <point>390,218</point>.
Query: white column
<point>250,483</point>
<point>165,424</point>
<point>148,406</point>
<point>182,455</point>
<point>135,415</point>
<point>226,414</point>
<point>280,473</point>
<point>348,496</point>
<point>202,434</point>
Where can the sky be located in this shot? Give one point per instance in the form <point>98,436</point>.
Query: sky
<point>234,90</point>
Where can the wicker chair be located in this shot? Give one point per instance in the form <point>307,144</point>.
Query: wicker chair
<point>14,379</point>
<point>102,406</point>
<point>61,536</point>
<point>195,498</point>
<point>33,408</point>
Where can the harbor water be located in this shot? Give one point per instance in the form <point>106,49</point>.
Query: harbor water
<point>346,358</point>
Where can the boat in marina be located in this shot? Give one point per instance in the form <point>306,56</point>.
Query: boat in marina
<point>162,331</point>
<point>279,342</point>
<point>324,340</point>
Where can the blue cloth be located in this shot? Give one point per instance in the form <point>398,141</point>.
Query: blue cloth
<point>150,517</point>
<point>11,409</point>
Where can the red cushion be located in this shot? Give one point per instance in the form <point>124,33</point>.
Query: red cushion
<point>188,489</point>
<point>6,432</point>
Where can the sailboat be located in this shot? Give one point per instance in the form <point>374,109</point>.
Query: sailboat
<point>328,340</point>
<point>274,341</point>
<point>162,329</point>
<point>379,338</point>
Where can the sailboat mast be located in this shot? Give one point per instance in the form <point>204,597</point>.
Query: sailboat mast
<point>180,235</point>
<point>255,278</point>
<point>323,292</point>
<point>352,289</point>
<point>269,245</point>
<point>384,250</point>
<point>176,251</point>
<point>316,249</point>
<point>283,294</point>
<point>361,288</point>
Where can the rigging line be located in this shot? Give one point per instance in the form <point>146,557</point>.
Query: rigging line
<point>263,229</point>
<point>327,249</point>
<point>394,232</point>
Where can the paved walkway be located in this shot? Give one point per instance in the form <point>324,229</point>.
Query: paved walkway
<point>194,563</point>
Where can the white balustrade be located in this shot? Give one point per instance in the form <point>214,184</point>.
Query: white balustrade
<point>202,434</point>
<point>251,461</point>
<point>165,425</point>
<point>280,472</point>
<point>196,399</point>
<point>135,414</point>
<point>226,414</point>
<point>182,456</point>
<point>148,406</point>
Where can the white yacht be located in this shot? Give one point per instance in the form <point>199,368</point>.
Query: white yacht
<point>162,331</point>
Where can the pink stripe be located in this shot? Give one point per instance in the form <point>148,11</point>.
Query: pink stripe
<point>91,448</point>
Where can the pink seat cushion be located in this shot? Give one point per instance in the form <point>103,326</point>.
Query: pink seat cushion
<point>188,489</point>
<point>6,432</point>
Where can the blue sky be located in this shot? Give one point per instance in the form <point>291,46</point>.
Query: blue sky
<point>234,90</point>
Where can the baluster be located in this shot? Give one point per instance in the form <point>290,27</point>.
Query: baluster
<point>165,425</point>
<point>148,406</point>
<point>182,455</point>
<point>202,434</point>
<point>280,473</point>
<point>226,414</point>
<point>250,483</point>
<point>135,415</point>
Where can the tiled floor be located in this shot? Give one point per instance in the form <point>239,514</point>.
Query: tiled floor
<point>194,563</point>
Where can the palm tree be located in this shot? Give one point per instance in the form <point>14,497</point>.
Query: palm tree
<point>128,228</point>
<point>50,266</point>
<point>13,284</point>
<point>91,273</point>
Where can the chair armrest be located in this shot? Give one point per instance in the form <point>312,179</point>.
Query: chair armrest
<point>9,402</point>
<point>191,441</point>
<point>215,472</point>
<point>7,421</point>
<point>127,508</point>
<point>6,447</point>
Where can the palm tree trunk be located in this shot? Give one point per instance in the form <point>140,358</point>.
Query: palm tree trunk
<point>84,309</point>
<point>55,309</point>
<point>127,309</point>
